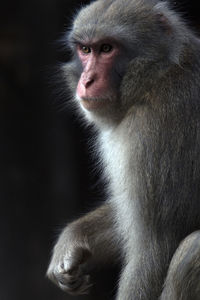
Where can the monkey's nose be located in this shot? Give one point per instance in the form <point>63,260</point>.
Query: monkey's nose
<point>88,78</point>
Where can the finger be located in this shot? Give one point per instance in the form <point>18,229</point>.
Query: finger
<point>77,287</point>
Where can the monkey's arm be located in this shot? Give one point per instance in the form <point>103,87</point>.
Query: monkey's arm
<point>83,244</point>
<point>183,279</point>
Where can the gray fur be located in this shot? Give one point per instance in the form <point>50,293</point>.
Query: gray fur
<point>149,141</point>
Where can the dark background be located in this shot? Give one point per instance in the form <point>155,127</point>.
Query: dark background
<point>45,167</point>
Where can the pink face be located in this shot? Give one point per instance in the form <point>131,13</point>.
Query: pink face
<point>95,85</point>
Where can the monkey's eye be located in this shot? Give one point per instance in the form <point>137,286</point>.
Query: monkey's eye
<point>85,49</point>
<point>106,48</point>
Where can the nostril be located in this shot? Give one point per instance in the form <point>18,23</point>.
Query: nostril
<point>89,83</point>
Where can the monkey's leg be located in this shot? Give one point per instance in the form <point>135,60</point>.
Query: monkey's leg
<point>83,244</point>
<point>183,279</point>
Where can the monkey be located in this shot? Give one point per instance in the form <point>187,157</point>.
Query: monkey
<point>134,75</point>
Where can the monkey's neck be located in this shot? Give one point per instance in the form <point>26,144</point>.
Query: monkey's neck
<point>120,148</point>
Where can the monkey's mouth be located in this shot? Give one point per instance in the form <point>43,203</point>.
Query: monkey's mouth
<point>94,103</point>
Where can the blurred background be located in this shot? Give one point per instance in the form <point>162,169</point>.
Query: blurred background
<point>46,171</point>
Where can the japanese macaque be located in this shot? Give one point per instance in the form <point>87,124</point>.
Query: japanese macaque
<point>135,75</point>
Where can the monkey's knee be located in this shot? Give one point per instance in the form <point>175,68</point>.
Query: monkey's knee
<point>183,279</point>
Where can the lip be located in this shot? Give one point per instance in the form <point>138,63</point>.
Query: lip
<point>93,103</point>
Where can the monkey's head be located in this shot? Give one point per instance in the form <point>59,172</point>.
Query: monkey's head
<point>111,42</point>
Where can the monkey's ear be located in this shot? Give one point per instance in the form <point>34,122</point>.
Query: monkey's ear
<point>164,23</point>
<point>163,16</point>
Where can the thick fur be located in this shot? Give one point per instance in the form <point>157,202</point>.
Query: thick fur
<point>149,142</point>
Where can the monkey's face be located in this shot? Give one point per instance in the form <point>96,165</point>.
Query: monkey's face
<point>99,64</point>
<point>95,75</point>
<point>96,87</point>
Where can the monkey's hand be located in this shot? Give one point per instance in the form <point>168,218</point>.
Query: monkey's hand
<point>69,264</point>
